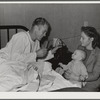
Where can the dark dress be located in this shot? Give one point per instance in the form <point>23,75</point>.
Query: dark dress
<point>62,55</point>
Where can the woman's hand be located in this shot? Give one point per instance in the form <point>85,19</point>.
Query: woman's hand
<point>55,49</point>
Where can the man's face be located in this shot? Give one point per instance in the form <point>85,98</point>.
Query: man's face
<point>41,31</point>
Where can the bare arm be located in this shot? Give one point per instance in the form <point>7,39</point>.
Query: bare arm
<point>65,67</point>
<point>55,49</point>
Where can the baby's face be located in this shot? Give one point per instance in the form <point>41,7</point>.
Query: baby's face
<point>77,55</point>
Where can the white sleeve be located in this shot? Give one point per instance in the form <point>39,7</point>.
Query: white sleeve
<point>30,57</point>
<point>16,49</point>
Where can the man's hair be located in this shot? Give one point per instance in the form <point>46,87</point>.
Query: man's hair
<point>40,21</point>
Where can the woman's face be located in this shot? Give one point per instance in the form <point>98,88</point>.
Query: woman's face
<point>85,40</point>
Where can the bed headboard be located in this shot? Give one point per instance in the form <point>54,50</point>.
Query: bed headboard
<point>8,28</point>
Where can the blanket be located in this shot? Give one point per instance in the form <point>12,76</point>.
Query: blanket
<point>15,76</point>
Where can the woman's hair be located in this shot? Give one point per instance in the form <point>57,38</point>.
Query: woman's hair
<point>92,33</point>
<point>41,21</point>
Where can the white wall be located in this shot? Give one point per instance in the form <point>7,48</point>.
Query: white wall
<point>65,19</point>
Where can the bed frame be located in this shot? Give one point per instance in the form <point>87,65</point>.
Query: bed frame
<point>10,27</point>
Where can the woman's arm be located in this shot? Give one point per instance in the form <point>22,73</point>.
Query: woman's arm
<point>95,74</point>
<point>70,76</point>
<point>55,49</point>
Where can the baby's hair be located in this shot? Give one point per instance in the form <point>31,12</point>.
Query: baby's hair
<point>83,53</point>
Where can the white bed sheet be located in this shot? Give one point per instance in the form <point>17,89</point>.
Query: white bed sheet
<point>13,77</point>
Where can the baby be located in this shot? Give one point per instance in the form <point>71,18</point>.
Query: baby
<point>76,67</point>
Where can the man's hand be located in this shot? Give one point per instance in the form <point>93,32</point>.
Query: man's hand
<point>41,53</point>
<point>32,65</point>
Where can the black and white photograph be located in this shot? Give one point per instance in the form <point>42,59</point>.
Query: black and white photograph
<point>50,47</point>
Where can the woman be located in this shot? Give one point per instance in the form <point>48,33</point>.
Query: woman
<point>90,41</point>
<point>61,53</point>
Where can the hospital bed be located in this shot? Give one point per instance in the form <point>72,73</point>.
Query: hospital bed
<point>7,30</point>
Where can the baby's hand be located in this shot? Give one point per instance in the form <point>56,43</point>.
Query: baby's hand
<point>63,66</point>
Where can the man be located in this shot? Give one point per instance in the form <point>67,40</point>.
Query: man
<point>23,48</point>
<point>24,44</point>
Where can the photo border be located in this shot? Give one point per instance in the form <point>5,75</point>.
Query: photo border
<point>50,95</point>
